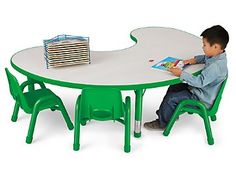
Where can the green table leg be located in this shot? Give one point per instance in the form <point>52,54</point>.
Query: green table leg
<point>138,112</point>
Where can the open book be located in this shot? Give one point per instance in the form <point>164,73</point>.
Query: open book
<point>168,63</point>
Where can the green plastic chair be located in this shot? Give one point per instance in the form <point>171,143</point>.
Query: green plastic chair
<point>201,110</point>
<point>33,102</point>
<point>102,104</point>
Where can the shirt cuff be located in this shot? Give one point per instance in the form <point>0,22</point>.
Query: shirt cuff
<point>200,58</point>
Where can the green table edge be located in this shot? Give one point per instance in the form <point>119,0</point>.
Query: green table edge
<point>82,86</point>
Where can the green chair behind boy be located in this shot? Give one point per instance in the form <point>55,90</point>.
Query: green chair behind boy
<point>102,104</point>
<point>201,110</point>
<point>34,101</point>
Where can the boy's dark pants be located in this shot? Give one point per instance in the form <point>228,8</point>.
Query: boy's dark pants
<point>174,95</point>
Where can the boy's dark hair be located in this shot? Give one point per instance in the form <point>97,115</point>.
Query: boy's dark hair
<point>216,35</point>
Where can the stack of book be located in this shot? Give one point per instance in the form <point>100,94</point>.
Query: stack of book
<point>64,50</point>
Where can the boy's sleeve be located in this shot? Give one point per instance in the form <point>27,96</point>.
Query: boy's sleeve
<point>200,58</point>
<point>207,75</point>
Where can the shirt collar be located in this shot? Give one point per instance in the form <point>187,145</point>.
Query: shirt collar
<point>221,56</point>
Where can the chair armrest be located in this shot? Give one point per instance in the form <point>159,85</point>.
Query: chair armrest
<point>193,103</point>
<point>51,98</point>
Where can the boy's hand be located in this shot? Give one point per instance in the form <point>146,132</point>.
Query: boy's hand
<point>176,71</point>
<point>190,61</point>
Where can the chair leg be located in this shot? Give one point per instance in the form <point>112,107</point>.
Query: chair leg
<point>15,112</point>
<point>53,109</point>
<point>65,115</point>
<point>29,137</point>
<point>127,123</point>
<point>172,121</point>
<point>76,145</point>
<point>83,122</point>
<point>210,138</point>
<point>127,133</point>
<point>213,118</point>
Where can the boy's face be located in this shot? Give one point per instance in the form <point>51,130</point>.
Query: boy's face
<point>209,50</point>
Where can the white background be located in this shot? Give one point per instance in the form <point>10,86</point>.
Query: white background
<point>184,152</point>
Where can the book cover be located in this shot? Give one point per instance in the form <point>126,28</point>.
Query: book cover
<point>168,63</point>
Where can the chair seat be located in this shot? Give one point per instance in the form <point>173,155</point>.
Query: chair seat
<point>33,97</point>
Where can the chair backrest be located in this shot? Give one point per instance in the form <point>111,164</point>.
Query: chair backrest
<point>216,104</point>
<point>15,89</point>
<point>101,104</point>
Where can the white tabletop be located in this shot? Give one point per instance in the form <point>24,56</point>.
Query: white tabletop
<point>127,68</point>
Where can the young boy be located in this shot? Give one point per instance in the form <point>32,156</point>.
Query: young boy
<point>203,87</point>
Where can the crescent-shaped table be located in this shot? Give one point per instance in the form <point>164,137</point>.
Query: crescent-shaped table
<point>126,69</point>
